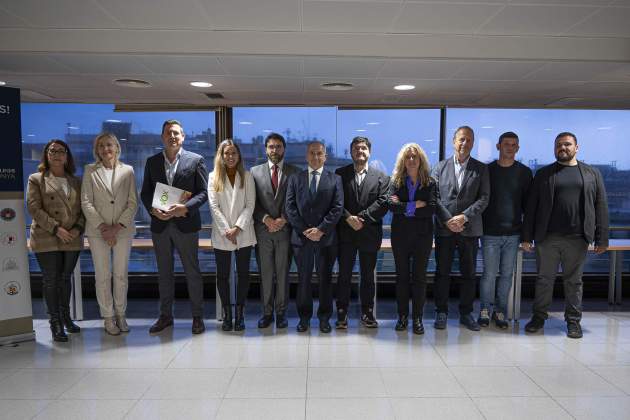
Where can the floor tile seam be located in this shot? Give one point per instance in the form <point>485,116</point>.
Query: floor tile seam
<point>534,381</point>
<point>589,368</point>
<point>308,361</point>
<point>481,413</point>
<point>85,374</point>
<point>133,406</point>
<point>188,343</point>
<point>48,404</point>
<point>557,346</point>
<point>539,397</point>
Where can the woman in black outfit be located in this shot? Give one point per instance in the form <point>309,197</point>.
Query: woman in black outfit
<point>412,200</point>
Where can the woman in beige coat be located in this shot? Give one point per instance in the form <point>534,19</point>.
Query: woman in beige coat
<point>109,201</point>
<point>232,196</point>
<point>53,198</point>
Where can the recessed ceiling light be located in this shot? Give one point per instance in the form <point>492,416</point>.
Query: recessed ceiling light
<point>337,86</point>
<point>134,83</point>
<point>2,83</point>
<point>404,87</point>
<point>201,84</point>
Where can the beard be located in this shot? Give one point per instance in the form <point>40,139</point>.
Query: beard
<point>564,156</point>
<point>275,158</point>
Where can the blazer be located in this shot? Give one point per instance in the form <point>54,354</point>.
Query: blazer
<point>268,203</point>
<point>233,207</point>
<point>540,204</point>
<point>322,211</point>
<point>191,176</point>
<point>51,208</point>
<point>422,221</point>
<point>109,204</point>
<point>471,199</point>
<point>368,201</point>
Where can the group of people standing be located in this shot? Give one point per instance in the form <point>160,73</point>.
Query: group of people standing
<point>316,217</point>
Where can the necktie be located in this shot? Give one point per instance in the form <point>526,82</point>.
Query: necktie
<point>313,187</point>
<point>274,178</point>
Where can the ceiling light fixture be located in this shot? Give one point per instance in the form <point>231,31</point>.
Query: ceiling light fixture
<point>133,83</point>
<point>201,84</point>
<point>2,83</point>
<point>404,87</point>
<point>338,86</point>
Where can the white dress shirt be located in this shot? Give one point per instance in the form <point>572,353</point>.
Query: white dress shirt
<point>359,176</point>
<point>460,169</point>
<point>171,168</point>
<point>310,176</point>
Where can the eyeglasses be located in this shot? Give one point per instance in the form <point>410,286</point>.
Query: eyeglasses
<point>56,152</point>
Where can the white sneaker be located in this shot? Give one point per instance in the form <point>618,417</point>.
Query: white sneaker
<point>121,322</point>
<point>110,326</point>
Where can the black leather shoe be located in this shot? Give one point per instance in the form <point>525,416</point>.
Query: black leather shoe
<point>469,322</point>
<point>56,329</point>
<point>324,326</point>
<point>265,321</point>
<point>535,324</point>
<point>239,318</point>
<point>368,320</point>
<point>303,325</point>
<point>417,326</point>
<point>440,321</point>
<point>281,320</point>
<point>227,318</point>
<point>67,322</point>
<point>197,325</point>
<point>342,320</point>
<point>161,323</point>
<point>574,330</point>
<point>402,323</point>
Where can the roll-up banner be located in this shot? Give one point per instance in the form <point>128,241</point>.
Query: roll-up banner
<point>16,312</point>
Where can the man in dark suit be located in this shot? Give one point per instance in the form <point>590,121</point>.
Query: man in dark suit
<point>361,229</point>
<point>179,226</point>
<point>463,194</point>
<point>273,233</point>
<point>314,205</point>
<point>566,211</point>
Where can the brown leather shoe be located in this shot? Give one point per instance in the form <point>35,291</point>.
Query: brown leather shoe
<point>161,323</point>
<point>198,326</point>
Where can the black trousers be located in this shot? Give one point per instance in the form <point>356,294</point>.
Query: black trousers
<point>223,261</point>
<point>324,257</point>
<point>57,268</point>
<point>411,256</point>
<point>367,263</point>
<point>445,247</point>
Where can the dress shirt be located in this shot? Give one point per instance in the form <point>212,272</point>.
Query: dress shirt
<point>319,177</point>
<point>360,176</point>
<point>460,169</point>
<point>280,165</point>
<point>171,168</point>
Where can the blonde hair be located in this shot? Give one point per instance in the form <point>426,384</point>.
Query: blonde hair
<point>102,137</point>
<point>220,171</point>
<point>400,171</point>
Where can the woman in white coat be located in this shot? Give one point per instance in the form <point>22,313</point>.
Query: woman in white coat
<point>232,196</point>
<point>109,202</point>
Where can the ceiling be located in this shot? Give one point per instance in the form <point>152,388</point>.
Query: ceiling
<point>492,53</point>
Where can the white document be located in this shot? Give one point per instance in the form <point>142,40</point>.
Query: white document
<point>165,196</point>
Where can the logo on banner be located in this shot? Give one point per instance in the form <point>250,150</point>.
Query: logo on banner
<point>9,264</point>
<point>7,214</point>
<point>9,239</point>
<point>12,288</point>
<point>8,173</point>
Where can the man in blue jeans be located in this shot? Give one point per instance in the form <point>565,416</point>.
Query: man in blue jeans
<point>502,223</point>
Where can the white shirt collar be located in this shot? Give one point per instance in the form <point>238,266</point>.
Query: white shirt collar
<point>310,170</point>
<point>463,164</point>
<point>280,164</point>
<point>177,156</point>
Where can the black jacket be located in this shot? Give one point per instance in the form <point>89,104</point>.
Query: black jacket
<point>369,202</point>
<point>540,204</point>
<point>422,222</point>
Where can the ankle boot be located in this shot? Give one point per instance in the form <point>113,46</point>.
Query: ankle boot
<point>56,329</point>
<point>64,306</point>
<point>227,318</point>
<point>239,321</point>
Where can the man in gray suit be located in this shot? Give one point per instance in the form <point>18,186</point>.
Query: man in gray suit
<point>273,233</point>
<point>463,194</point>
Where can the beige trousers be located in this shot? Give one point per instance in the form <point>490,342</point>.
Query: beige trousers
<point>111,284</point>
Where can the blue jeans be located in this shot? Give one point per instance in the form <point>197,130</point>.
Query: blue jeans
<point>499,255</point>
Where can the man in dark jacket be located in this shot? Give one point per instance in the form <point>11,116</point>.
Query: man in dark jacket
<point>566,211</point>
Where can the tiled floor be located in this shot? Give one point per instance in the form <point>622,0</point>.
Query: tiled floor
<point>355,374</point>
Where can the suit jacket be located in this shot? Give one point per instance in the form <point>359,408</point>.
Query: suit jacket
<point>471,199</point>
<point>540,205</point>
<point>422,221</point>
<point>232,207</point>
<point>368,201</point>
<point>322,211</point>
<point>109,204</point>
<point>268,203</point>
<point>50,208</point>
<point>191,176</point>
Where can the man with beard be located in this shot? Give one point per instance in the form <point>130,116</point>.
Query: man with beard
<point>273,233</point>
<point>361,230</point>
<point>566,211</point>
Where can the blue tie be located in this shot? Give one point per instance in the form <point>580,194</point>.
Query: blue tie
<point>313,187</point>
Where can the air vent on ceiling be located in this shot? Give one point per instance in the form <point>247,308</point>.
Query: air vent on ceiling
<point>214,95</point>
<point>134,83</point>
<point>337,86</point>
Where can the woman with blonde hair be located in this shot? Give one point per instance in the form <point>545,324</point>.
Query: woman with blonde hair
<point>232,196</point>
<point>53,200</point>
<point>109,201</point>
<point>412,199</point>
